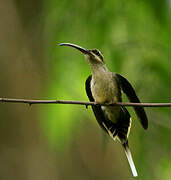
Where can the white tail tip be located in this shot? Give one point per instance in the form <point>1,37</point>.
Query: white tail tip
<point>130,160</point>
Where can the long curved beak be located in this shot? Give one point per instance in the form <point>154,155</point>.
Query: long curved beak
<point>84,51</point>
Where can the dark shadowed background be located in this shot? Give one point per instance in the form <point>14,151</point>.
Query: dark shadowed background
<point>50,142</point>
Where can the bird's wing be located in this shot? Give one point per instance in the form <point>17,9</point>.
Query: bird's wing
<point>129,91</point>
<point>98,112</point>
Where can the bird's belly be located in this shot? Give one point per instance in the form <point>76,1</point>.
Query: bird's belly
<point>112,113</point>
<point>106,90</point>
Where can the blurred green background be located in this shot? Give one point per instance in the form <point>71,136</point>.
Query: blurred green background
<point>49,142</point>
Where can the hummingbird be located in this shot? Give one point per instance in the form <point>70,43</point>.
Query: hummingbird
<point>105,87</point>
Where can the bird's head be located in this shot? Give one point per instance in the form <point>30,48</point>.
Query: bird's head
<point>93,56</point>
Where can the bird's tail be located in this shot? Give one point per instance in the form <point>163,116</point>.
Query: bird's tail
<point>130,160</point>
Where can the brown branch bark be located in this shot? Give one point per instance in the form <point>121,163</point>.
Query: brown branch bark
<point>30,102</point>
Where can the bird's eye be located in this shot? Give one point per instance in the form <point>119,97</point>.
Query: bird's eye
<point>98,53</point>
<point>95,51</point>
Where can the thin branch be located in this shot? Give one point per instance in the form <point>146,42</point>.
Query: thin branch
<point>30,102</point>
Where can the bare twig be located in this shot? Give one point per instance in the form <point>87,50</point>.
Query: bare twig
<point>30,102</point>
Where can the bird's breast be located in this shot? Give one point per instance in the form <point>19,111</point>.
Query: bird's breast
<point>105,89</point>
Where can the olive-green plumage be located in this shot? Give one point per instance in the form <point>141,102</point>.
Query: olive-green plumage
<point>104,86</point>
